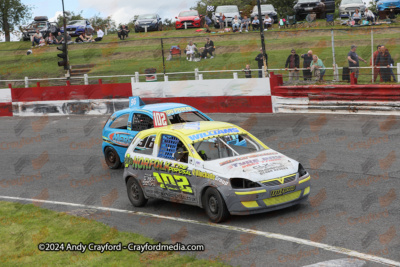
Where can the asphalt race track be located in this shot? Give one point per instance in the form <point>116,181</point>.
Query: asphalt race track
<point>354,201</point>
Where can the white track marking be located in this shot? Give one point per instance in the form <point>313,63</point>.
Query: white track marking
<point>345,251</point>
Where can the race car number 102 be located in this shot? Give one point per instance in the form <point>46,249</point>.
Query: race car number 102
<point>160,119</point>
<point>175,182</point>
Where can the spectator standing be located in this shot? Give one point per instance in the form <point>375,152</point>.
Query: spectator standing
<point>369,15</point>
<point>235,24</point>
<point>293,63</point>
<point>247,71</point>
<point>267,22</point>
<point>207,23</point>
<point>255,23</point>
<point>317,68</point>
<point>245,22</point>
<point>59,38</point>
<point>221,20</point>
<point>306,65</point>
<point>260,61</point>
<point>190,50</point>
<point>353,59</point>
<point>36,38</point>
<point>208,48</point>
<point>377,70</point>
<point>384,60</point>
<point>100,35</point>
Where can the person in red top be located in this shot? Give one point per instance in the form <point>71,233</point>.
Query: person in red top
<point>377,70</point>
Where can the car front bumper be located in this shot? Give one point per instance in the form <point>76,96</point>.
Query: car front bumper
<point>190,24</point>
<point>259,200</point>
<point>150,27</point>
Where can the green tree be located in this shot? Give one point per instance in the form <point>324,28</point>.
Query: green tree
<point>12,12</point>
<point>244,5</point>
<point>108,22</point>
<point>74,16</point>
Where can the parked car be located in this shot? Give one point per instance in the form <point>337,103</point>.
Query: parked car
<point>77,27</point>
<point>304,7</point>
<point>388,5</point>
<point>265,9</point>
<point>191,17</point>
<point>348,7</point>
<point>42,24</point>
<point>228,11</point>
<point>152,21</point>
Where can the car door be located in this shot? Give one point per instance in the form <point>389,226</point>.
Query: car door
<point>118,133</point>
<point>175,179</point>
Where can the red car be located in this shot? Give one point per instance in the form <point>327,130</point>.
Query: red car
<point>191,17</point>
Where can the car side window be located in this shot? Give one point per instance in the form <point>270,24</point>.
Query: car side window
<point>121,122</point>
<point>172,148</point>
<point>146,145</point>
<point>141,122</point>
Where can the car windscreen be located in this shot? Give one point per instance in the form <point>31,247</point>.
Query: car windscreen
<point>77,22</point>
<point>264,8</point>
<point>186,117</point>
<point>147,16</point>
<point>347,2</point>
<point>307,1</point>
<point>188,13</point>
<point>227,146</point>
<point>227,9</point>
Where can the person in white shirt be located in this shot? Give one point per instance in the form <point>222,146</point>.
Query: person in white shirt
<point>100,35</point>
<point>190,50</point>
<point>369,15</point>
<point>235,24</point>
<point>267,22</point>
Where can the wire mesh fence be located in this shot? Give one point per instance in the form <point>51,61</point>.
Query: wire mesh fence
<point>117,62</point>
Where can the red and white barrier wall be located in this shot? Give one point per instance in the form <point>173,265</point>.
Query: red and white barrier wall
<point>5,102</point>
<point>210,96</point>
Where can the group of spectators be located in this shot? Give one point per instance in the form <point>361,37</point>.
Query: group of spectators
<point>239,24</point>
<point>191,50</point>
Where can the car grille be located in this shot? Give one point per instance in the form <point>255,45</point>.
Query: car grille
<point>275,182</point>
<point>71,29</point>
<point>309,5</point>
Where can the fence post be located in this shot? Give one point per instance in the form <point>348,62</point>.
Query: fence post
<point>235,75</point>
<point>26,82</point>
<point>333,48</point>
<point>336,73</point>
<point>200,77</point>
<point>137,77</point>
<point>165,78</point>
<point>398,72</point>
<point>196,73</point>
<point>86,79</point>
<point>132,82</point>
<point>263,71</point>
<point>185,25</point>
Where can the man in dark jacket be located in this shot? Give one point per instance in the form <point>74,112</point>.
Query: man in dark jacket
<point>260,61</point>
<point>208,48</point>
<point>306,64</point>
<point>293,63</point>
<point>384,60</point>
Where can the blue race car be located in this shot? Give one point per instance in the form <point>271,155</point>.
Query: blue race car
<point>77,27</point>
<point>124,125</point>
<point>388,5</point>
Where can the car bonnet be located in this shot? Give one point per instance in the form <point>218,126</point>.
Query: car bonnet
<point>257,167</point>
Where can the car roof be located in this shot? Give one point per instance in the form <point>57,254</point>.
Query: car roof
<point>160,107</point>
<point>184,130</point>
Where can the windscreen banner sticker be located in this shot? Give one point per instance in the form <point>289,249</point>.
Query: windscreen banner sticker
<point>275,193</point>
<point>247,157</point>
<point>122,139</point>
<point>179,110</point>
<point>195,137</point>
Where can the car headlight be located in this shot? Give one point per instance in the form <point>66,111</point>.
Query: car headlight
<point>241,183</point>
<point>196,18</point>
<point>302,172</point>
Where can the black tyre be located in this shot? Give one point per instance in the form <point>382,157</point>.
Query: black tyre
<point>135,193</point>
<point>112,158</point>
<point>215,205</point>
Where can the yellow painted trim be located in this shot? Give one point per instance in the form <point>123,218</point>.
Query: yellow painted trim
<point>251,192</point>
<point>250,204</point>
<point>305,180</point>
<point>282,199</point>
<point>306,191</point>
<point>280,179</point>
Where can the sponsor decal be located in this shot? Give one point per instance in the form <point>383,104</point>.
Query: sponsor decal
<point>203,174</point>
<point>178,110</point>
<point>175,183</point>
<point>194,137</point>
<point>222,181</point>
<point>149,180</point>
<point>122,139</point>
<point>275,154</point>
<point>270,167</point>
<point>275,193</point>
<point>142,163</point>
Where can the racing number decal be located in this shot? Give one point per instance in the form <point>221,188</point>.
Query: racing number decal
<point>173,182</point>
<point>160,119</point>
